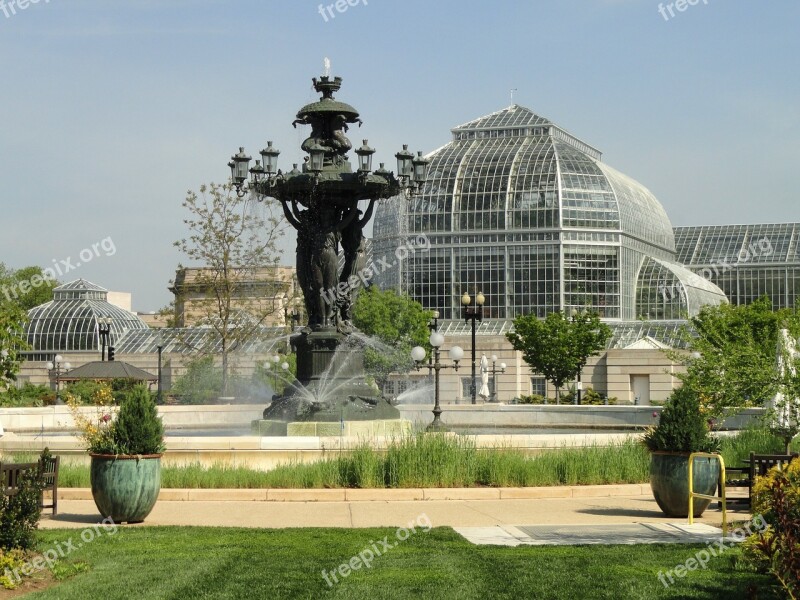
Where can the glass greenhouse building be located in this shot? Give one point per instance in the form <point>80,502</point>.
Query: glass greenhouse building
<point>518,208</point>
<point>746,261</point>
<point>69,323</point>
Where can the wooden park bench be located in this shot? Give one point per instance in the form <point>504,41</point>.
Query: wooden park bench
<point>758,465</point>
<point>47,471</point>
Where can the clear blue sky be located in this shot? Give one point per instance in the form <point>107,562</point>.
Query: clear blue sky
<point>112,110</point>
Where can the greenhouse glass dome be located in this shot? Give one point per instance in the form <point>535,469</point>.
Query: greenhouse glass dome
<point>518,208</point>
<point>69,322</point>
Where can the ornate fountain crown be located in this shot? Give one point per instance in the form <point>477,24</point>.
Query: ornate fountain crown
<point>326,87</point>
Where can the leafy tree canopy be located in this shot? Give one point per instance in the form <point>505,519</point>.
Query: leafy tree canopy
<point>398,322</point>
<point>732,359</point>
<point>28,287</point>
<point>558,346</point>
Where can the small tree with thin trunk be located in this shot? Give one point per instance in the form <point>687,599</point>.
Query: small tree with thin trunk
<point>231,244</point>
<point>559,346</point>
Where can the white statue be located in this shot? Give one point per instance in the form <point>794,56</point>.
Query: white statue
<point>786,352</point>
<point>484,391</point>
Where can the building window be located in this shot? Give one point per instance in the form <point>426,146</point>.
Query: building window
<point>539,386</point>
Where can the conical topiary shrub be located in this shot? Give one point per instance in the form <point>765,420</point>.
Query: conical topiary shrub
<point>138,428</point>
<point>681,426</point>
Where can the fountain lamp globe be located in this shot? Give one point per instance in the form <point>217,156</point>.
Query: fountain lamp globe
<point>436,339</point>
<point>418,353</point>
<point>456,353</point>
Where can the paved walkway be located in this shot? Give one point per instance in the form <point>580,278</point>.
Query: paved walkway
<point>603,518</point>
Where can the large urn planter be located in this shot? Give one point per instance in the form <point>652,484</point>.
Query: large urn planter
<point>125,488</point>
<point>669,480</point>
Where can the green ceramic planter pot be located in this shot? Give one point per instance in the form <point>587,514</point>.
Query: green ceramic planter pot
<point>125,488</point>
<point>669,480</point>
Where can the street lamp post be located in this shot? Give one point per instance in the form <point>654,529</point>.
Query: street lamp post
<point>471,315</point>
<point>280,370</point>
<point>160,348</point>
<point>104,331</point>
<point>434,365</point>
<point>58,368</point>
<point>494,371</point>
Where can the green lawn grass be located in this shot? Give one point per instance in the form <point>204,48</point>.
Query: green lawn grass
<point>196,563</point>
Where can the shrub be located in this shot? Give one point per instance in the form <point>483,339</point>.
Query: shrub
<point>681,427</point>
<point>85,390</point>
<point>569,396</point>
<point>593,398</point>
<point>11,561</point>
<point>138,428</point>
<point>19,514</point>
<point>532,399</point>
<point>27,395</point>
<point>776,550</point>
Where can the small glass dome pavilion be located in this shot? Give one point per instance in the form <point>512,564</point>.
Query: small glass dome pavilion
<point>518,208</point>
<point>69,323</point>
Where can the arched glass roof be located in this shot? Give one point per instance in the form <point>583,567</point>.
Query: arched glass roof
<point>69,321</point>
<point>670,291</point>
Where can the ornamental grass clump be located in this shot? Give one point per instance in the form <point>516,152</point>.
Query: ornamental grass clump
<point>681,426</point>
<point>134,429</point>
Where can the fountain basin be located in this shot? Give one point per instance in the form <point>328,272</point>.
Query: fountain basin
<point>373,428</point>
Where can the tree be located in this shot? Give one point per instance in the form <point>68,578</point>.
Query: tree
<point>28,287</point>
<point>558,346</point>
<point>12,319</point>
<point>230,244</point>
<point>783,416</point>
<point>731,361</point>
<point>398,322</point>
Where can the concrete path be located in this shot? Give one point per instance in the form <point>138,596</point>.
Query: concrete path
<point>517,520</point>
<point>574,535</point>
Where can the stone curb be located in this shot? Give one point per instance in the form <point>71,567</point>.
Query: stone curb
<point>381,495</point>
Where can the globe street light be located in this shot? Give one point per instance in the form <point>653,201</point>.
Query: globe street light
<point>493,372</point>
<point>276,370</point>
<point>159,347</point>
<point>104,331</point>
<point>418,355</point>
<point>472,314</point>
<point>58,368</point>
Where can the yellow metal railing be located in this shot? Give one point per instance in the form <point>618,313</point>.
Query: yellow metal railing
<point>693,495</point>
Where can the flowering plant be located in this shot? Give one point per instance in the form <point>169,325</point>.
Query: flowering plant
<point>133,429</point>
<point>97,430</point>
